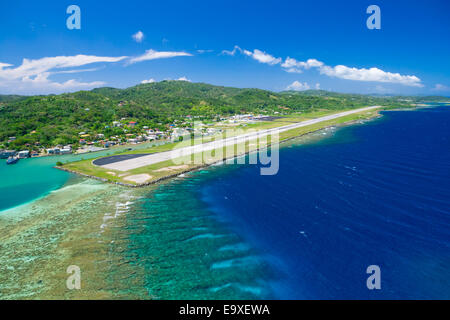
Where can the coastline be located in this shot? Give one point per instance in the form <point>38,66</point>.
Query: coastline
<point>323,125</point>
<point>67,222</point>
<point>111,272</point>
<point>330,207</point>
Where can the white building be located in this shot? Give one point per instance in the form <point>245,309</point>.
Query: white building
<point>53,151</point>
<point>24,154</point>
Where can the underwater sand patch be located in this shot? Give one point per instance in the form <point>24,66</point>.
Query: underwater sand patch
<point>184,166</point>
<point>139,178</point>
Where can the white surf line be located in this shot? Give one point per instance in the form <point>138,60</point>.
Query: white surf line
<point>120,208</point>
<point>130,164</point>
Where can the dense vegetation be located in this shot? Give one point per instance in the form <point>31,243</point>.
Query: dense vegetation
<point>58,119</point>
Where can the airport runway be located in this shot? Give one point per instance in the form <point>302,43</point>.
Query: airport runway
<point>141,161</point>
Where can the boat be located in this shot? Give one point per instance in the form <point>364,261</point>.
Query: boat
<point>12,160</point>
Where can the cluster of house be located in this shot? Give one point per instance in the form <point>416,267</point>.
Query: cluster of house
<point>146,135</point>
<point>174,133</point>
<point>60,150</point>
<point>87,141</point>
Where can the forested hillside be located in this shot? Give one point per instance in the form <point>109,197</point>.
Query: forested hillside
<point>57,119</point>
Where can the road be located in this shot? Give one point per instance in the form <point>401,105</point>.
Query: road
<point>130,164</point>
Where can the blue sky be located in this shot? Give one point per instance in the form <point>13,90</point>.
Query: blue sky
<point>271,45</point>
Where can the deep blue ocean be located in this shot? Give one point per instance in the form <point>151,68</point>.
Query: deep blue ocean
<point>370,194</point>
<point>346,198</point>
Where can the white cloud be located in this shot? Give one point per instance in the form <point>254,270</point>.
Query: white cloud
<point>262,57</point>
<point>349,73</point>
<point>298,86</point>
<point>340,71</point>
<point>153,54</point>
<point>42,81</point>
<point>30,68</point>
<point>32,75</point>
<point>258,55</point>
<point>138,36</point>
<point>233,52</point>
<point>317,86</point>
<point>441,87</point>
<point>292,65</point>
<point>40,84</point>
<point>151,80</point>
<point>2,65</point>
<point>372,74</point>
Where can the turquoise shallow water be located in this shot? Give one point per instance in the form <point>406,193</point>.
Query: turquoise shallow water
<point>28,179</point>
<point>33,178</point>
<point>185,250</point>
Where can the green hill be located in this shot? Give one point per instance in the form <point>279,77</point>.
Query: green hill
<point>57,119</point>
